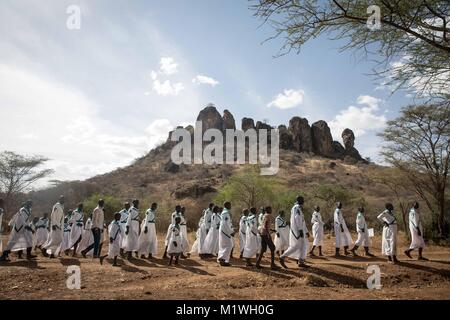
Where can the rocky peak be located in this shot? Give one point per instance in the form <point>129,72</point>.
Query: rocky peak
<point>247,123</point>
<point>322,141</point>
<point>348,137</point>
<point>301,134</point>
<point>228,120</point>
<point>210,118</point>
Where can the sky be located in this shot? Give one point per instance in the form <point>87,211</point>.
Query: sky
<point>95,98</point>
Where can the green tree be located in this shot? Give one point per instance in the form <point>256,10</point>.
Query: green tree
<point>327,195</point>
<point>112,205</point>
<point>417,143</point>
<point>412,47</point>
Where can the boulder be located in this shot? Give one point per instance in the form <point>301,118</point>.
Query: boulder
<point>247,123</point>
<point>210,118</point>
<point>286,141</point>
<point>228,121</point>
<point>338,150</point>
<point>322,141</point>
<point>192,190</point>
<point>348,137</point>
<point>301,134</point>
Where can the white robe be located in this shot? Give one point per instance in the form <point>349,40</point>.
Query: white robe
<point>123,223</point>
<point>173,240</point>
<point>389,238</point>
<point>148,242</point>
<point>298,245</point>
<point>55,237</point>
<point>21,237</point>
<point>251,248</point>
<point>41,231</point>
<point>415,224</point>
<point>242,231</point>
<point>343,238</point>
<point>211,244</point>
<point>207,215</point>
<point>87,238</point>
<point>226,239</point>
<point>115,235</point>
<point>66,238</point>
<point>76,227</point>
<point>317,228</point>
<point>361,229</point>
<point>132,238</point>
<point>184,234</point>
<point>282,241</point>
<point>199,242</point>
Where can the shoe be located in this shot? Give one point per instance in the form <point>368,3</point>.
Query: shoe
<point>274,267</point>
<point>249,264</point>
<point>422,259</point>
<point>408,254</point>
<point>283,263</point>
<point>142,256</point>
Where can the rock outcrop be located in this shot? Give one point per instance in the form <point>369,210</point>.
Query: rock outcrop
<point>210,118</point>
<point>247,123</point>
<point>322,141</point>
<point>228,120</point>
<point>301,134</point>
<point>348,137</point>
<point>286,140</point>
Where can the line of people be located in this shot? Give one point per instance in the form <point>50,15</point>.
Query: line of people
<point>130,237</point>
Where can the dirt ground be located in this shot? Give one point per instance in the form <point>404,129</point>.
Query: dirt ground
<point>195,279</point>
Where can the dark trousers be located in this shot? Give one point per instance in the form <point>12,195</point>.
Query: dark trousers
<point>266,241</point>
<point>97,233</point>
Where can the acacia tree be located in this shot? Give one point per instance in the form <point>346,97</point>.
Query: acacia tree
<point>417,143</point>
<point>19,172</point>
<point>412,47</point>
<point>394,180</point>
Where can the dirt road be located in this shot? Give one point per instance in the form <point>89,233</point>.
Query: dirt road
<point>327,278</point>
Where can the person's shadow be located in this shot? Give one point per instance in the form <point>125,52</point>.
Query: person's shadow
<point>31,264</point>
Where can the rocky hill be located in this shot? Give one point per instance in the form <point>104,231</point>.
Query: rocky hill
<point>308,156</point>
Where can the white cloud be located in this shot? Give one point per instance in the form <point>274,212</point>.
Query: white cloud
<point>202,79</point>
<point>153,75</point>
<point>288,99</point>
<point>167,88</point>
<point>360,119</point>
<point>168,66</point>
<point>71,130</point>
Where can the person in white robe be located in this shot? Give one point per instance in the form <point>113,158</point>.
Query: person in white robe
<point>148,242</point>
<point>42,226</point>
<point>317,231</point>
<point>389,237</point>
<point>251,248</point>
<point>226,236</point>
<point>115,238</point>
<point>2,212</point>
<point>184,234</point>
<point>87,239</point>
<point>298,237</point>
<point>363,239</point>
<point>416,230</point>
<point>53,245</point>
<point>281,239</point>
<point>207,215</point>
<point>242,231</point>
<point>66,236</point>
<point>76,223</point>
<point>211,244</point>
<point>342,235</point>
<point>198,246</point>
<point>173,240</point>
<point>123,224</point>
<point>173,216</point>
<point>21,236</point>
<point>132,230</point>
